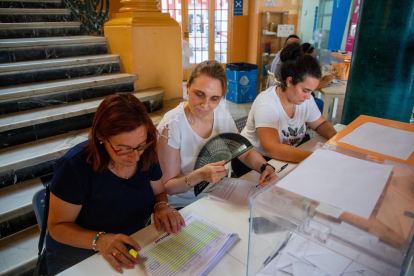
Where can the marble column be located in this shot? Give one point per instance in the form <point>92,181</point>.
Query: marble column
<point>149,43</point>
<point>381,77</point>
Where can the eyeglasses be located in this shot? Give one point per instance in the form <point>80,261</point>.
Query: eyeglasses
<point>122,152</point>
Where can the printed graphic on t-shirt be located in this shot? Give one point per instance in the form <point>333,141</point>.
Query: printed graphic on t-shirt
<point>293,135</point>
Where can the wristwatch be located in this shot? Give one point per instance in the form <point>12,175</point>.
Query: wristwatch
<point>263,167</point>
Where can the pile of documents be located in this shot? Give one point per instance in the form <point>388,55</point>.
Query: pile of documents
<point>194,250</point>
<point>299,256</point>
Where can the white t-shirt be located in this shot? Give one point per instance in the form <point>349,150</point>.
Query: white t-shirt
<point>183,137</point>
<point>267,111</point>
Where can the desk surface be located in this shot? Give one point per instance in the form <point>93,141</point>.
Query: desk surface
<point>335,90</point>
<point>231,218</point>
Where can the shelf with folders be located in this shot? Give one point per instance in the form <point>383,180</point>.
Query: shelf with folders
<point>270,43</point>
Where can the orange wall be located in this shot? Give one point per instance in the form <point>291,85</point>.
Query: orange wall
<point>241,39</point>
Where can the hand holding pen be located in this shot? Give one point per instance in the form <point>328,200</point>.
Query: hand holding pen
<point>273,174</point>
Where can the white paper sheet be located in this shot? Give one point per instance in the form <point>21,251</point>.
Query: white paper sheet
<point>235,191</point>
<point>339,180</point>
<point>382,139</point>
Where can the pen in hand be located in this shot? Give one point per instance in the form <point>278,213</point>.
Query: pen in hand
<point>273,174</point>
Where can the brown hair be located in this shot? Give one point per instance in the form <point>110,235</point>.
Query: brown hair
<point>212,69</point>
<point>118,113</point>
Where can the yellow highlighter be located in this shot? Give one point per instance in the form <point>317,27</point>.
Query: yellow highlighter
<point>131,250</point>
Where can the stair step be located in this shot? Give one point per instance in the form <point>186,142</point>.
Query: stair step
<point>25,4</point>
<point>16,200</point>
<point>21,49</point>
<point>31,96</point>
<point>19,92</point>
<point>39,29</point>
<point>52,69</point>
<point>12,15</point>
<point>18,252</point>
<point>37,158</point>
<point>24,127</point>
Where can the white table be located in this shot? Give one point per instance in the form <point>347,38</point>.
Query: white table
<point>231,218</point>
<point>331,93</point>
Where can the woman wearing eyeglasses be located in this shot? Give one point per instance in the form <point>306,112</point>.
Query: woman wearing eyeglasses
<point>106,188</point>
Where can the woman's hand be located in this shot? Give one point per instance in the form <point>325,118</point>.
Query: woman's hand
<point>171,219</point>
<point>213,172</point>
<point>267,172</point>
<point>113,249</point>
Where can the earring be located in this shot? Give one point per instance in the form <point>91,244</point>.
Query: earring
<point>100,142</point>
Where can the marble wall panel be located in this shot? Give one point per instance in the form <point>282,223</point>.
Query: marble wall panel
<point>13,106</point>
<point>32,5</point>
<point>56,74</point>
<point>63,126</point>
<point>17,136</point>
<point>23,18</point>
<point>17,224</point>
<point>47,32</point>
<point>12,55</point>
<point>16,176</point>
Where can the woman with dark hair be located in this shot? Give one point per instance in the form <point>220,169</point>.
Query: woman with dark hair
<point>106,188</point>
<point>187,128</point>
<point>308,49</point>
<point>279,116</point>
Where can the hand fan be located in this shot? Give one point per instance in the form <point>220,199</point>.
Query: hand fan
<point>225,146</point>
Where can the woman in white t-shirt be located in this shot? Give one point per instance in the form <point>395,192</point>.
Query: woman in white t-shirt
<point>280,115</point>
<point>186,129</point>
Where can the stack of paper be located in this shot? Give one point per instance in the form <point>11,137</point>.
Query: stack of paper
<point>345,182</point>
<point>235,191</point>
<point>195,250</point>
<point>302,257</point>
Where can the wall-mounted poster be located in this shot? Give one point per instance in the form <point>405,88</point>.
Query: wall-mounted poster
<point>352,28</point>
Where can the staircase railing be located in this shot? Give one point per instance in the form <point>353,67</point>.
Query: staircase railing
<point>92,13</point>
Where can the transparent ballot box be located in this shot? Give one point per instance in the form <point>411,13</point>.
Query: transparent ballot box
<point>291,234</point>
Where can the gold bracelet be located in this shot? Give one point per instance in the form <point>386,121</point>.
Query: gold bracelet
<point>186,181</point>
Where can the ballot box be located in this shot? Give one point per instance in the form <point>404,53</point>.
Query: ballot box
<point>338,212</point>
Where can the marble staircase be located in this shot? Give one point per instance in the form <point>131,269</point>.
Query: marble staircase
<point>52,80</point>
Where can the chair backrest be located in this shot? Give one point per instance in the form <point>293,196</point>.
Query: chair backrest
<point>241,123</point>
<point>39,201</point>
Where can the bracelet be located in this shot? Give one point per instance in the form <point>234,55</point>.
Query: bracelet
<point>161,202</point>
<point>95,239</point>
<point>186,181</point>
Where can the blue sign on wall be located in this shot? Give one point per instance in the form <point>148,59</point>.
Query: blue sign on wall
<point>314,21</point>
<point>339,16</point>
<point>238,7</point>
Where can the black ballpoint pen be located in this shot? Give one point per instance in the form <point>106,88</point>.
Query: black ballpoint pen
<point>270,176</point>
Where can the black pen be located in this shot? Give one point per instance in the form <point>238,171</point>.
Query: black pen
<point>270,176</point>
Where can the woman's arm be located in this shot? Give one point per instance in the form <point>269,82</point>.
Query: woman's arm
<point>170,162</point>
<point>254,161</point>
<point>62,227</point>
<point>162,212</point>
<point>269,138</point>
<point>323,127</point>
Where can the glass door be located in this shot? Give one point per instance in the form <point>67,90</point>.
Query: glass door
<point>200,29</point>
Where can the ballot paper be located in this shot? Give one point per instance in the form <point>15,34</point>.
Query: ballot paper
<point>303,257</point>
<point>345,182</point>
<point>382,139</point>
<point>235,191</point>
<point>194,250</point>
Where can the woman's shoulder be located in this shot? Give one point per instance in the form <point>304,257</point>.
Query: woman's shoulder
<point>174,115</point>
<point>266,98</point>
<point>76,155</point>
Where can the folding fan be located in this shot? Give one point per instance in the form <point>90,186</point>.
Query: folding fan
<point>225,146</point>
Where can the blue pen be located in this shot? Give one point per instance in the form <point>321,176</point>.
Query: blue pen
<point>273,174</point>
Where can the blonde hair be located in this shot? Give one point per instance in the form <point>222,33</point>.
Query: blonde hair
<point>212,69</point>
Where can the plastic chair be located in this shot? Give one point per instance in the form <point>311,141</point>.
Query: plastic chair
<point>39,202</point>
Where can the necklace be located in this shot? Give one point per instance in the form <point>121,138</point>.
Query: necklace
<point>280,98</point>
<point>113,168</point>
